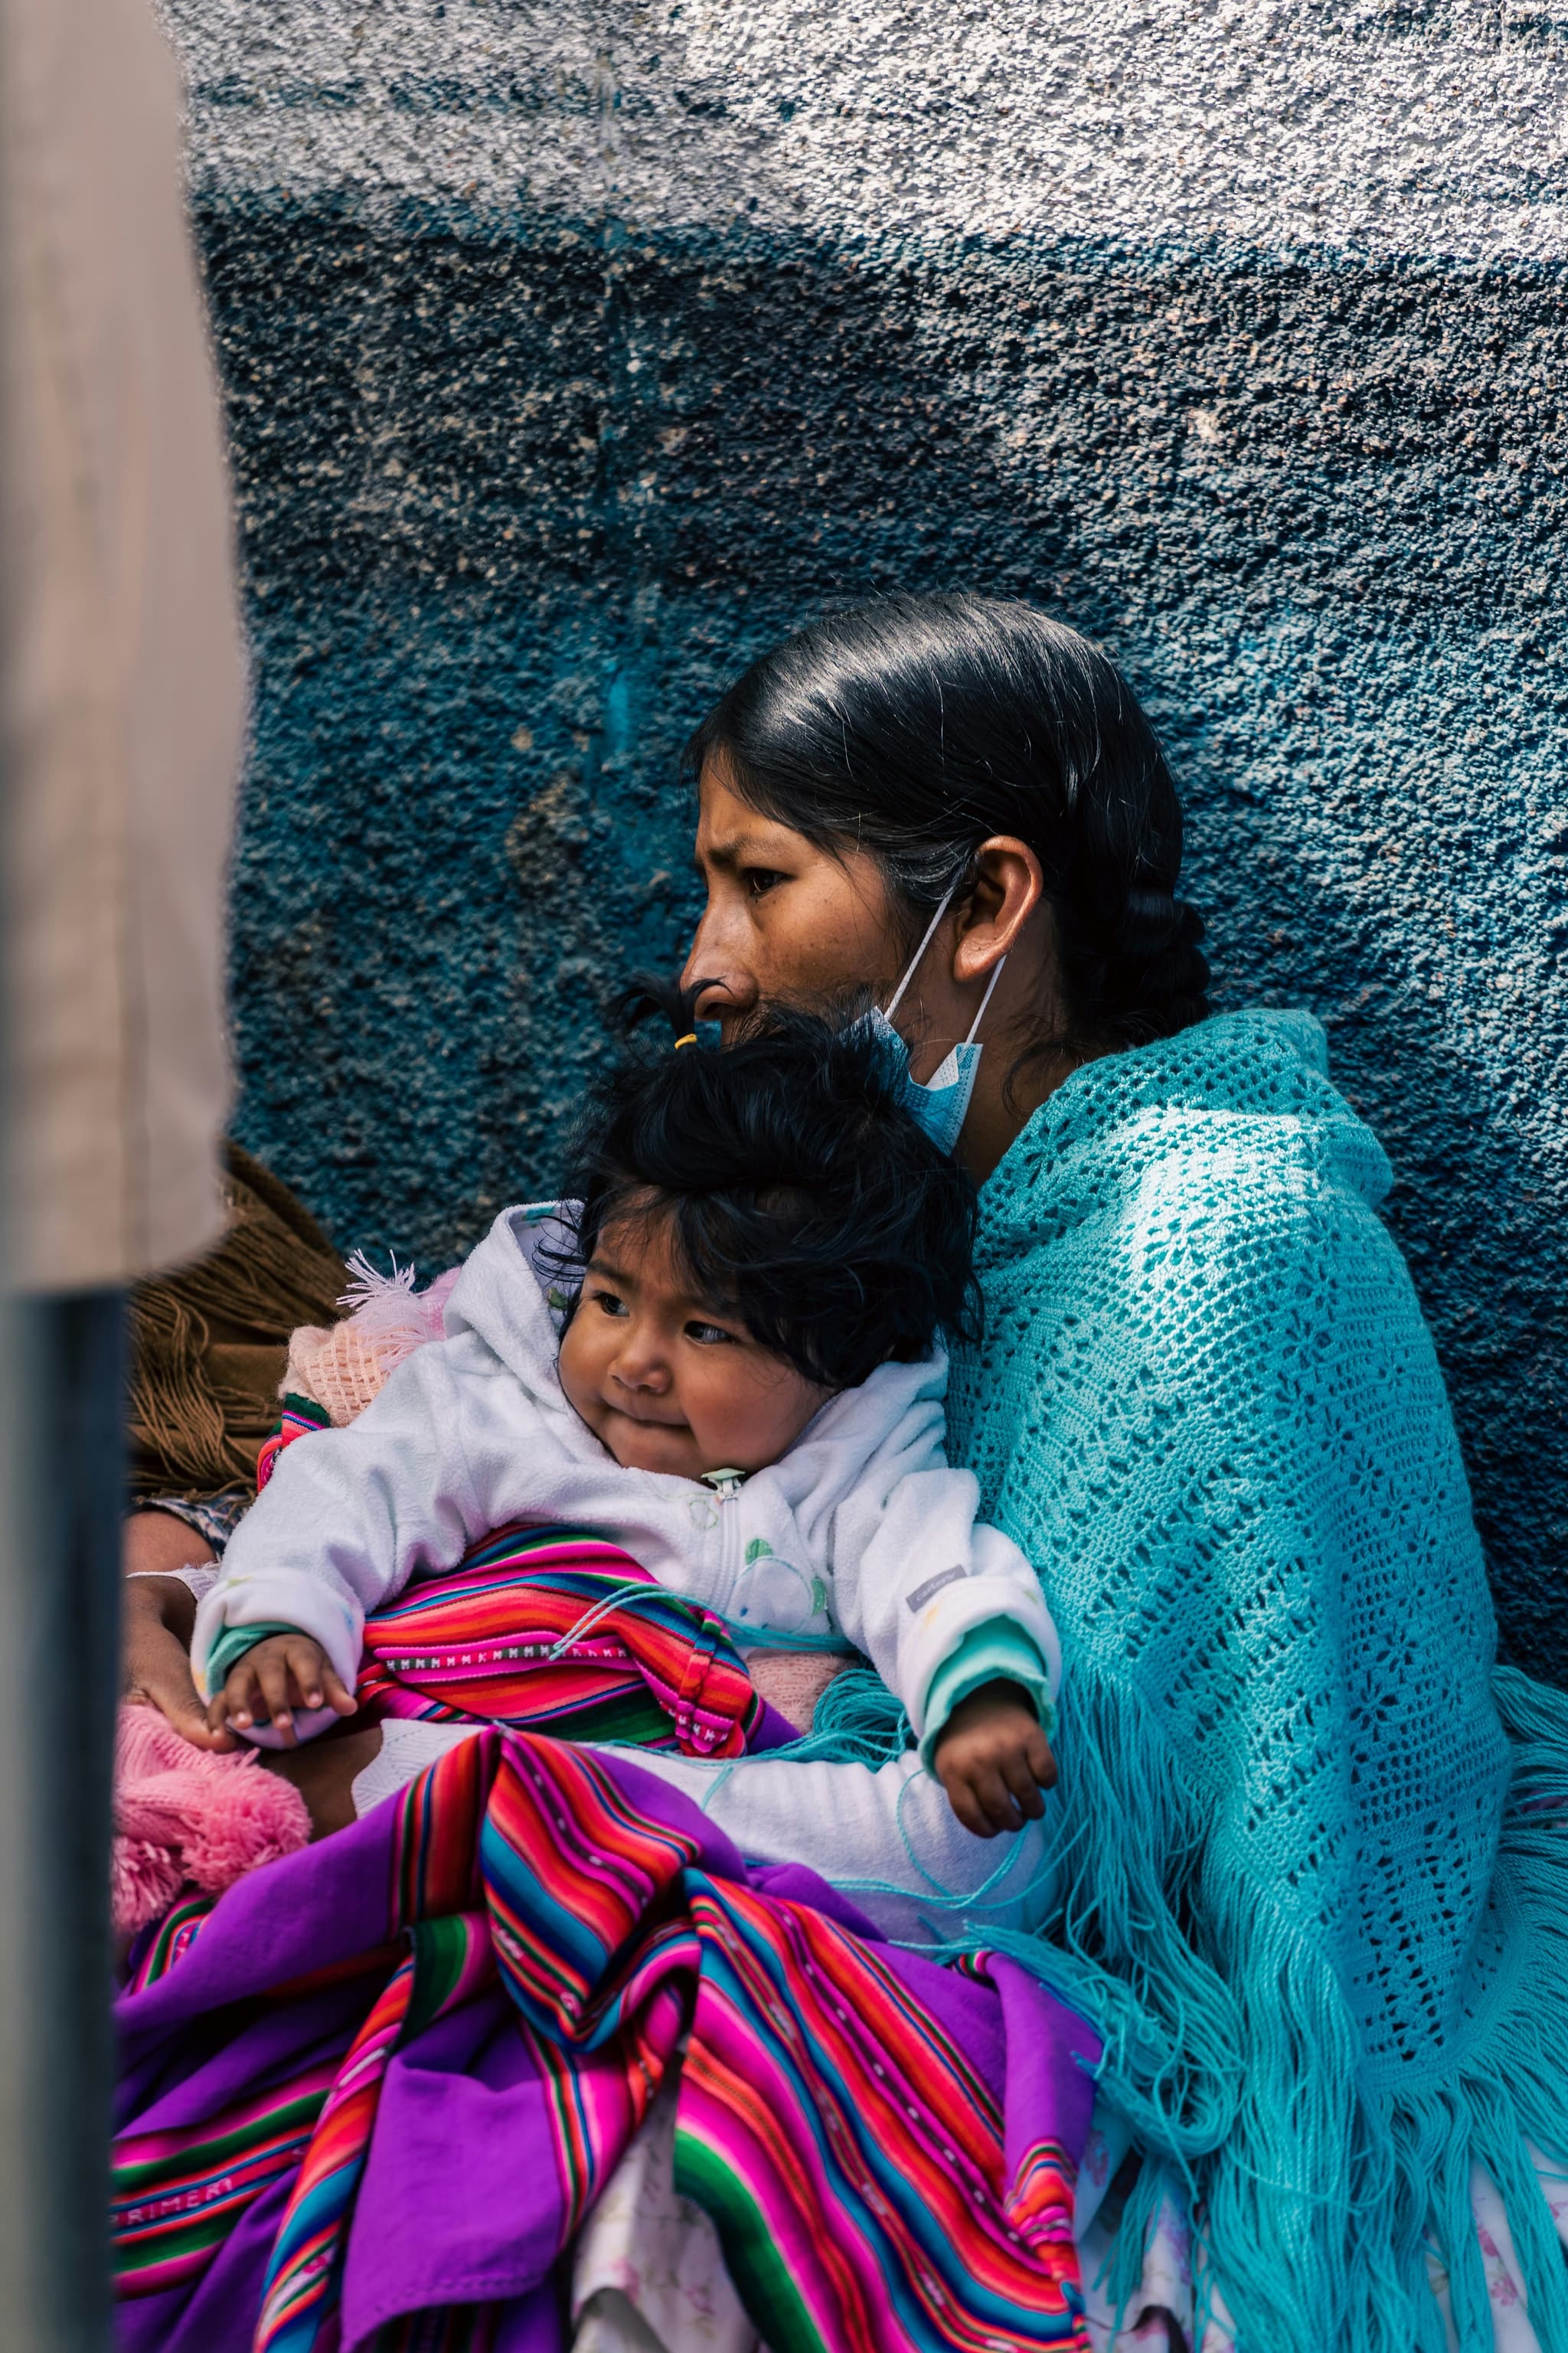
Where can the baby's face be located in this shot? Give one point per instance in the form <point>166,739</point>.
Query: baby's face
<point>668,1382</point>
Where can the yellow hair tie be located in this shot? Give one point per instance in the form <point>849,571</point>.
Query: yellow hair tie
<point>689,1039</point>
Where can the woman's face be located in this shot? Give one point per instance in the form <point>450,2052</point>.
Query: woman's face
<point>786,923</point>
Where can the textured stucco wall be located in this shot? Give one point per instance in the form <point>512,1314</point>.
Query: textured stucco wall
<point>575,351</point>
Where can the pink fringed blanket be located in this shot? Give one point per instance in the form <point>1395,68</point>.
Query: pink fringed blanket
<point>186,1818</point>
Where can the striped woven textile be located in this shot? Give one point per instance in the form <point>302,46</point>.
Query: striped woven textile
<point>370,2095</point>
<point>552,1630</point>
<point>301,1415</point>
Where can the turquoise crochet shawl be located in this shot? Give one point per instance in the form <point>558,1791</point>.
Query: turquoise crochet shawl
<point>1313,1864</point>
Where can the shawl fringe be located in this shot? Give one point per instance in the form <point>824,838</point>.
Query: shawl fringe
<point>1238,2061</point>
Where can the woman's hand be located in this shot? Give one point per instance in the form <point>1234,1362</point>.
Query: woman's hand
<point>992,1759</point>
<point>278,1674</point>
<point>158,1615</point>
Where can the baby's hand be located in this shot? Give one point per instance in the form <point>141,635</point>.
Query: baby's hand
<point>992,1759</point>
<point>281,1672</point>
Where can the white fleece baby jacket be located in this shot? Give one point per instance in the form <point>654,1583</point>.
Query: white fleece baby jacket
<point>861,1536</point>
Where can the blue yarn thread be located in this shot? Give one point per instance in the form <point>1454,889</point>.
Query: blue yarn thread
<point>857,1721</point>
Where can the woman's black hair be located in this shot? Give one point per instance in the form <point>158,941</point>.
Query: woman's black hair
<point>798,1191</point>
<point>915,727</point>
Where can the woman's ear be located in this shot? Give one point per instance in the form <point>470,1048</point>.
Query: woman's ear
<point>1009,884</point>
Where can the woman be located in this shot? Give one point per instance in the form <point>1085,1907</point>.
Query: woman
<point>1309,1874</point>
<point>1306,1853</point>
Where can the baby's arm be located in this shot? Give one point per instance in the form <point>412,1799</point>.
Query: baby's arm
<point>951,1615</point>
<point>346,1517</point>
<point>989,1749</point>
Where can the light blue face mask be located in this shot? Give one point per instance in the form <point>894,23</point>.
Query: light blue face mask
<point>941,1104</point>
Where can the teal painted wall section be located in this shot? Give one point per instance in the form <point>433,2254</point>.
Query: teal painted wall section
<point>573,355</point>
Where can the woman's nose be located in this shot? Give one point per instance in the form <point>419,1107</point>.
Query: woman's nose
<point>717,972</point>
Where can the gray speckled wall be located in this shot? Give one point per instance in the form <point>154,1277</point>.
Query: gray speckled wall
<point>575,351</point>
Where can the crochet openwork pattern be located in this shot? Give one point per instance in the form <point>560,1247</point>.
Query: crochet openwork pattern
<point>1207,1407</point>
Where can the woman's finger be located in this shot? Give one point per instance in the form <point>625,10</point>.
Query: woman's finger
<point>159,1675</point>
<point>1042,1764</point>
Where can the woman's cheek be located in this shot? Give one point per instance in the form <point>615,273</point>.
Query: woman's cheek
<point>827,951</point>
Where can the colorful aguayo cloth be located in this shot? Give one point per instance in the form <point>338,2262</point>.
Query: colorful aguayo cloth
<point>556,1631</point>
<point>553,1630</point>
<point>299,1416</point>
<point>369,2097</point>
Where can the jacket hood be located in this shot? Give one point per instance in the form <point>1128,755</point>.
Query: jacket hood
<point>503,1295</point>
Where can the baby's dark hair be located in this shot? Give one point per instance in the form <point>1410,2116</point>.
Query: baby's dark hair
<point>798,1191</point>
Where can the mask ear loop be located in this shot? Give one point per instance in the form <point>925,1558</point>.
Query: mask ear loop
<point>995,976</point>
<point>892,1006</point>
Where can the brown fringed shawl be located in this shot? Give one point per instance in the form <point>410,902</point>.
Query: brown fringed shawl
<point>209,1342</point>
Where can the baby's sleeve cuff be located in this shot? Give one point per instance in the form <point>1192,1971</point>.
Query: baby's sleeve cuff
<point>999,1651</point>
<point>230,1647</point>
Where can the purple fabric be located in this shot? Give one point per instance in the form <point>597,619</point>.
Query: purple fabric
<point>464,2211</point>
<point>461,2200</point>
<point>218,2316</point>
<point>771,1730</point>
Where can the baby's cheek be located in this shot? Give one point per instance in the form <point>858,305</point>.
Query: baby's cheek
<point>575,1367</point>
<point>714,1406</point>
<point>781,1407</point>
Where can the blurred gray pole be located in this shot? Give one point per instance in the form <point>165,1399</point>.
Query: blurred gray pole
<point>60,1453</point>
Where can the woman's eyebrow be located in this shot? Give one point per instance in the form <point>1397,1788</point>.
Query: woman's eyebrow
<point>732,852</point>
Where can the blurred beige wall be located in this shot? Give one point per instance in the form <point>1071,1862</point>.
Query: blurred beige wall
<point>122,679</point>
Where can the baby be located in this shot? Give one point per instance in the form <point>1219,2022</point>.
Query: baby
<point>725,1357</point>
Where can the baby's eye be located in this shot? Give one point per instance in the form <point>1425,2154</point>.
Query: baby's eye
<point>610,1303</point>
<point>707,1335</point>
